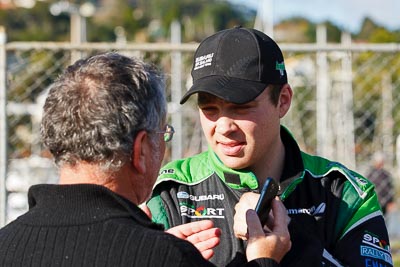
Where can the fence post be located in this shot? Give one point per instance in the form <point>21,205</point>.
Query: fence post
<point>346,138</point>
<point>323,132</point>
<point>176,92</point>
<point>397,164</point>
<point>3,126</point>
<point>387,119</point>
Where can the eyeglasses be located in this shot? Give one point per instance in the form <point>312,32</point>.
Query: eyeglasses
<point>168,133</point>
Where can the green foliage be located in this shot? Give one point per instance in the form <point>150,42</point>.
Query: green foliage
<point>200,16</point>
<point>374,33</point>
<point>36,24</point>
<point>142,19</point>
<point>333,32</point>
<point>150,20</point>
<point>381,35</point>
<point>121,14</point>
<point>304,31</point>
<point>225,16</point>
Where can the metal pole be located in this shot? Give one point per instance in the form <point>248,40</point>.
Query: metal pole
<point>323,133</point>
<point>397,154</point>
<point>176,92</point>
<point>3,127</point>
<point>77,25</point>
<point>387,118</point>
<point>264,20</point>
<point>347,151</point>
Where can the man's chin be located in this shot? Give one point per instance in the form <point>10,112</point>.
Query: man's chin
<point>235,163</point>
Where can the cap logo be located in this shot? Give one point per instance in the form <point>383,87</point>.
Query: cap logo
<point>280,67</point>
<point>203,61</point>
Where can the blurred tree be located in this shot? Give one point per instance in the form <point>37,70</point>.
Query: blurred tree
<point>296,30</point>
<point>382,35</point>
<point>150,20</point>
<point>333,32</point>
<point>372,32</point>
<point>301,30</point>
<point>36,24</point>
<point>119,13</point>
<point>367,26</point>
<point>200,16</point>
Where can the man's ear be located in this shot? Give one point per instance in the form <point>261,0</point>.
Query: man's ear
<point>285,100</point>
<point>141,150</point>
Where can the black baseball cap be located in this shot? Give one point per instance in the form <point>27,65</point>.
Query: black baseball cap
<point>236,65</point>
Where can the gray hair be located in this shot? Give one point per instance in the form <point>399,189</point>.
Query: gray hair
<point>97,106</point>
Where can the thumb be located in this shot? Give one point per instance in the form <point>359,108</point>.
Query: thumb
<point>254,228</point>
<point>256,246</point>
<point>146,210</point>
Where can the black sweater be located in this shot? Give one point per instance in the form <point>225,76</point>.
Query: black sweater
<point>89,225</point>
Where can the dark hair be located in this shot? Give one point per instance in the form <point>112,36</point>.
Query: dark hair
<point>97,106</point>
<point>275,91</point>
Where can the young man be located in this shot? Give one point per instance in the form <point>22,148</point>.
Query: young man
<point>104,123</point>
<point>240,80</point>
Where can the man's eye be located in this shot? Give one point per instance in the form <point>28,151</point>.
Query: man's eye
<point>207,108</point>
<point>242,107</point>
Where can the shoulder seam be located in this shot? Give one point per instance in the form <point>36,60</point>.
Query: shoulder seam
<point>172,179</point>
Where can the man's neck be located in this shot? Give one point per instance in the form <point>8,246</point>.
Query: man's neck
<point>272,165</point>
<point>84,173</point>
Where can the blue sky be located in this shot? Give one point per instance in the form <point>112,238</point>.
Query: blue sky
<point>347,14</point>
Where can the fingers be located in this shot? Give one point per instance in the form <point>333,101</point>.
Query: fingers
<point>280,218</point>
<point>206,247</point>
<point>274,244</point>
<point>185,230</point>
<point>257,246</point>
<point>250,199</point>
<point>201,234</point>
<point>207,254</point>
<point>254,228</point>
<point>246,202</point>
<point>204,235</point>
<point>205,241</point>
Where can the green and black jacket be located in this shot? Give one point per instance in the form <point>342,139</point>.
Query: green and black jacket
<point>336,219</point>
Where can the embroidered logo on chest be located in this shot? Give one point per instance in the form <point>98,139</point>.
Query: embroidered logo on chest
<point>205,206</point>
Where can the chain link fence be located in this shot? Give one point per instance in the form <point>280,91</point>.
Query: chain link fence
<point>346,98</point>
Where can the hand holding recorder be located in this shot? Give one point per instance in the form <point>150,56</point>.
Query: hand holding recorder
<point>268,193</point>
<point>268,240</point>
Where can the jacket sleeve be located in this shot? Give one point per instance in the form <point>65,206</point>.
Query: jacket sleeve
<point>158,210</point>
<point>361,235</point>
<point>164,205</point>
<point>355,234</point>
<point>363,239</point>
<point>365,244</point>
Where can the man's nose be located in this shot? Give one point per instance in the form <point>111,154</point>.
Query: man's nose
<point>225,125</point>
